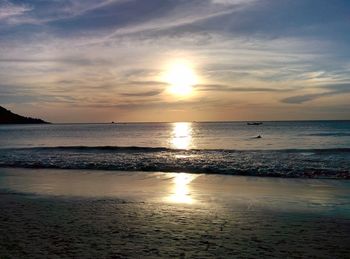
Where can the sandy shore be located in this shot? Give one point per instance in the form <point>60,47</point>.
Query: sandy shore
<point>80,214</point>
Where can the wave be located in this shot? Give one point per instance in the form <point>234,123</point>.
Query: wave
<point>332,162</point>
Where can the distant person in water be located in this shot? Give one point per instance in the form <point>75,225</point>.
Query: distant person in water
<point>259,136</point>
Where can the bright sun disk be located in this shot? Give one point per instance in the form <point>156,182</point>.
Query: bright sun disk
<point>181,78</point>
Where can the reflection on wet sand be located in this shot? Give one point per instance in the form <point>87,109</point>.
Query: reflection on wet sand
<point>181,192</point>
<point>331,196</point>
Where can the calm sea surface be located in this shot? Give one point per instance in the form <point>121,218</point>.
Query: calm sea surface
<point>291,149</point>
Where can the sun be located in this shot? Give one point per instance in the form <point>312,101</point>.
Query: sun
<point>181,78</point>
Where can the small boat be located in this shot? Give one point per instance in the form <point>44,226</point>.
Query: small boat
<point>254,123</point>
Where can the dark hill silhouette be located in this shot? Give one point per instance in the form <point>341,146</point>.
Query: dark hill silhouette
<point>7,117</point>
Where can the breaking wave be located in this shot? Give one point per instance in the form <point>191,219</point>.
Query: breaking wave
<point>332,163</point>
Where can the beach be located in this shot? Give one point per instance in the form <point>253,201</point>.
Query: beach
<point>90,214</point>
<point>174,129</point>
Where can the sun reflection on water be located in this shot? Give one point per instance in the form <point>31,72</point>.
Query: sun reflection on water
<point>181,190</point>
<point>182,135</point>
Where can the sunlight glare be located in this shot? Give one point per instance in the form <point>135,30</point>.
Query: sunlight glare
<point>181,78</point>
<point>182,135</point>
<point>181,191</point>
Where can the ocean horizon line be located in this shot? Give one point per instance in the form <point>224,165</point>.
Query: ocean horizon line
<point>214,121</point>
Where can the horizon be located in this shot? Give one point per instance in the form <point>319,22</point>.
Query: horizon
<point>134,61</point>
<point>145,122</point>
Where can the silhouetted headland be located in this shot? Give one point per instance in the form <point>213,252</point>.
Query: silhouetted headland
<point>8,117</point>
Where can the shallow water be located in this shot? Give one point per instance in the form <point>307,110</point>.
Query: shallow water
<point>285,195</point>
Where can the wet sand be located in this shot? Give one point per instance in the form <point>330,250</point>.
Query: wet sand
<point>87,214</point>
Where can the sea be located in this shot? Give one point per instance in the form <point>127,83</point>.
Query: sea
<point>305,149</point>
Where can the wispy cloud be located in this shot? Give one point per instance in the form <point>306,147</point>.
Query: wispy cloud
<point>337,89</point>
<point>9,10</point>
<point>226,88</point>
<point>143,94</point>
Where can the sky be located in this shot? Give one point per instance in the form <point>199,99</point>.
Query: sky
<point>119,60</point>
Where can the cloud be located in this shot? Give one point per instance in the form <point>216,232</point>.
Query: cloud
<point>155,103</point>
<point>340,88</point>
<point>48,11</point>
<point>147,83</point>
<point>233,2</point>
<point>162,17</point>
<point>9,10</point>
<point>34,98</point>
<point>337,89</point>
<point>305,98</point>
<point>227,88</point>
<point>143,94</point>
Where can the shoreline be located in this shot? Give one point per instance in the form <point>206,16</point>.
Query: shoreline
<point>157,186</point>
